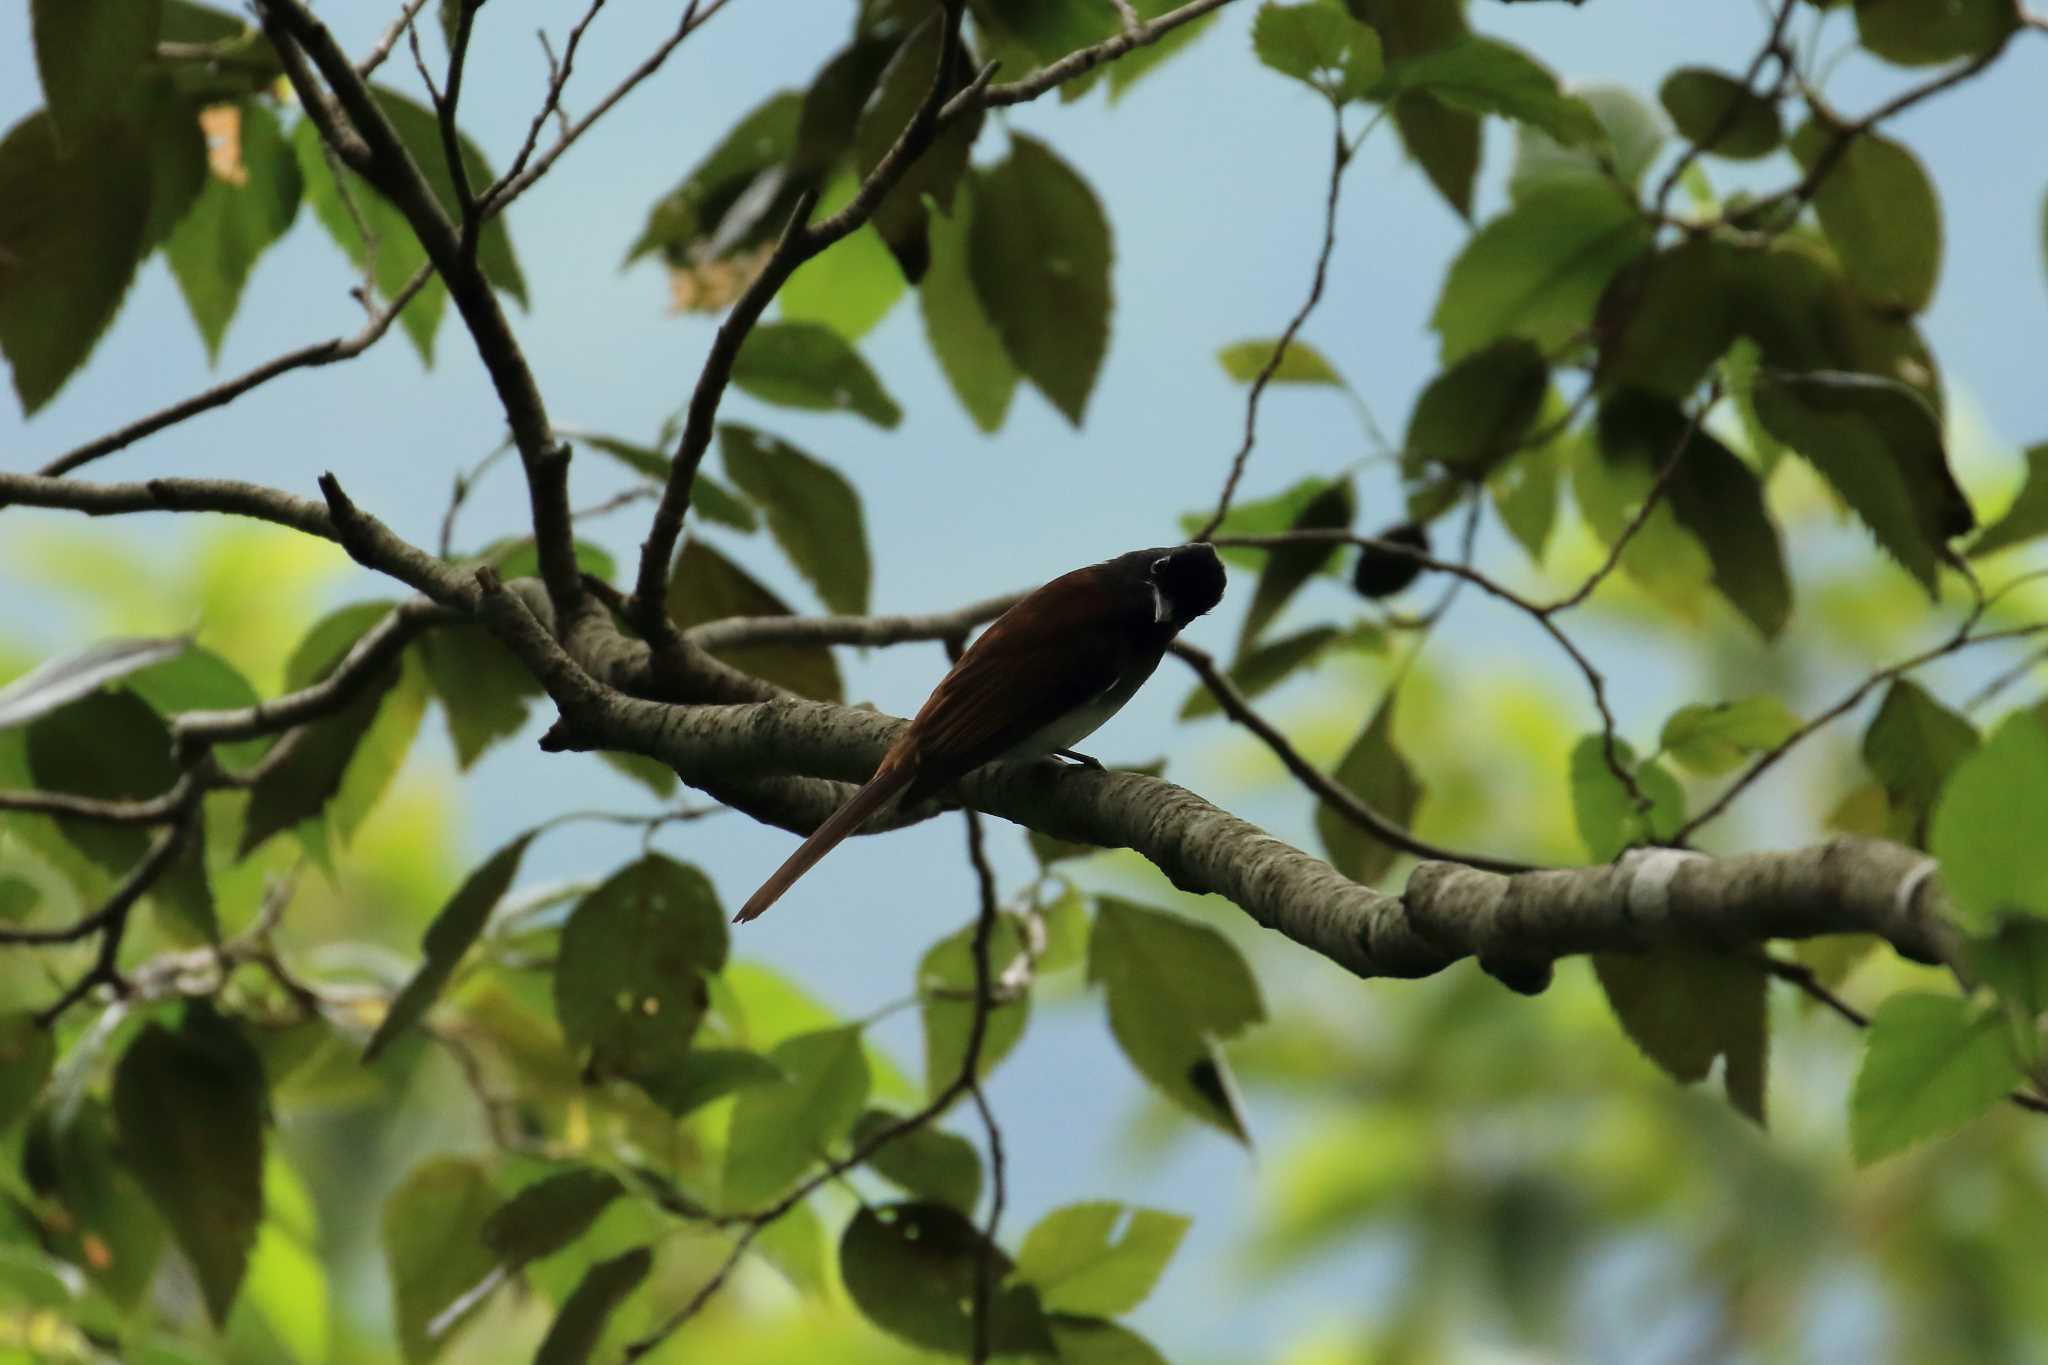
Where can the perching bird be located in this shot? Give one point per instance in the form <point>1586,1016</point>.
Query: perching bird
<point>1040,679</point>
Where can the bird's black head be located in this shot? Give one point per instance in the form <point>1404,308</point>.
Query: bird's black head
<point>1186,581</point>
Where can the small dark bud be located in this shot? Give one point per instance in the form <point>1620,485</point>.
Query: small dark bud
<point>1382,573</point>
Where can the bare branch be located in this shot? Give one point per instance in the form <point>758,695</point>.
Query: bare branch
<point>381,49</point>
<point>169,495</point>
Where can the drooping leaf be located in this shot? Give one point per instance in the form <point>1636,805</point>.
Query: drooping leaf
<point>1474,414</point>
<point>1911,747</point>
<point>338,197</point>
<point>1990,829</point>
<point>64,679</point>
<point>1177,990</point>
<point>630,980</point>
<point>1302,363</point>
<point>1606,814</point>
<point>945,981</point>
<point>1633,132</point>
<point>1684,1007</point>
<point>957,326</point>
<point>1290,566</point>
<point>234,221</point>
<point>577,1329</point>
<point>779,1130</point>
<point>191,1107</point>
<point>902,89</point>
<point>1537,270</point>
<point>434,1249</point>
<point>1721,115</point>
<point>1930,1064</point>
<point>2027,518</point>
<point>1879,210</point>
<point>1374,771</point>
<point>1319,45</point>
<point>1914,33</point>
<point>1714,738</point>
<point>482,688</point>
<point>1445,141</point>
<point>1098,1259</point>
<point>912,1270</point>
<point>842,88</point>
<point>736,199</point>
<point>1665,319</point>
<point>90,56</point>
<point>925,1163</point>
<point>455,927</point>
<point>1491,77</point>
<point>813,513</point>
<point>706,586</point>
<point>419,129</point>
<point>808,365</point>
<point>1039,255</point>
<point>549,1214</point>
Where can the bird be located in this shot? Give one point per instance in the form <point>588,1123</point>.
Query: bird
<point>1039,680</point>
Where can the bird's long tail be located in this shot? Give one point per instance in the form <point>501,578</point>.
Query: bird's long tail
<point>881,788</point>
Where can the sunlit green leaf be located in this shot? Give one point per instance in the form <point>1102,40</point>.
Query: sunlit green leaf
<point>1374,771</point>
<point>1930,1064</point>
<point>26,1051</point>
<point>1879,210</point>
<point>1990,828</point>
<point>1099,1259</point>
<point>904,86</point>
<point>1320,45</point>
<point>1607,817</point>
<point>1911,747</point>
<point>434,1249</point>
<point>1302,363</point>
<point>807,365</point>
<point>945,983</point>
<point>482,688</point>
<point>780,1130</point>
<point>1290,566</point>
<point>1634,129</point>
<point>2027,518</point>
<point>1713,738</point>
<point>707,1074</point>
<point>710,214</point>
<point>64,679</point>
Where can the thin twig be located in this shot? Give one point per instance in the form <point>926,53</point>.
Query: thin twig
<point>382,47</point>
<point>1774,46</point>
<point>984,1002</point>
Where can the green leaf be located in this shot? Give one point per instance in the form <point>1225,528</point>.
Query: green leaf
<point>945,986</point>
<point>650,773</point>
<point>331,192</point>
<point>434,1249</point>
<point>419,128</point>
<point>1879,445</point>
<point>1443,140</point>
<point>1320,45</point>
<point>447,939</point>
<point>630,979</point>
<point>198,679</point>
<point>1918,33</point>
<point>1990,830</point>
<point>1930,1064</point>
<point>926,1162</point>
<point>2028,515</point>
<point>1100,1258</point>
<point>849,288</point>
<point>707,1074</point>
<point>549,1214</point>
<point>706,586</point>
<point>1720,115</point>
<point>1635,131</point>
<point>1714,739</point>
<point>26,1051</point>
<point>1665,319</point>
<point>482,688</point>
<point>1607,818</point>
<point>709,498</point>
<point>795,1245</point>
<point>904,85</point>
<point>1302,363</point>
<point>72,218</point>
<point>807,365</point>
<point>191,1107</point>
<point>1267,665</point>
<point>1525,486</point>
<point>68,677</point>
<point>710,215</point>
<point>1090,1341</point>
<point>1374,771</point>
<point>1879,210</point>
<point>1537,270</point>
<point>301,785</point>
<point>912,1269</point>
<point>813,513</point>
<point>959,330</point>
<point>1039,254</point>
<point>1490,77</point>
<point>518,557</point>
<point>1177,990</point>
<point>90,55</point>
<point>778,1131</point>
<point>1911,747</point>
<point>1260,517</point>
<point>574,1335</point>
<point>95,1212</point>
<point>1290,566</point>
<point>1475,414</point>
<point>1684,1007</point>
<point>230,225</point>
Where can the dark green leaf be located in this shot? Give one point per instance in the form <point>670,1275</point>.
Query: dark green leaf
<point>912,1270</point>
<point>95,1212</point>
<point>90,55</point>
<point>630,980</point>
<point>707,1074</point>
<point>26,1051</point>
<point>72,218</point>
<point>706,586</point>
<point>399,253</point>
<point>1490,77</point>
<point>64,679</point>
<point>903,88</point>
<point>1880,213</point>
<point>1374,771</point>
<point>690,223</point>
<point>1537,270</point>
<point>807,365</point>
<point>813,513</point>
<point>447,939</point>
<point>1684,1008</point>
<point>518,558</point>
<point>420,130</point>
<point>709,498</point>
<point>18,897</point>
<point>200,680</point>
<point>2028,515</point>
<point>1090,1341</point>
<point>650,773</point>
<point>958,328</point>
<point>1302,364</point>
<point>1474,414</point>
<point>1922,33</point>
<point>1913,744</point>
<point>1290,566</point>
<point>779,1130</point>
<point>217,243</point>
<point>1665,320</point>
<point>1525,489</point>
<point>549,1214</point>
<point>482,688</point>
<point>434,1249</point>
<point>1794,301</point>
<point>577,1329</point>
<point>1720,114</point>
<point>1710,739</point>
<point>1260,517</point>
<point>1320,45</point>
<point>1606,814</point>
<point>1177,990</point>
<point>1990,829</point>
<point>1039,253</point>
<point>1098,1259</point>
<point>945,983</point>
<point>926,1162</point>
<point>1445,141</point>
<point>1049,28</point>
<point>1268,665</point>
<point>1930,1064</point>
<point>838,93</point>
<point>191,1108</point>
<point>1634,132</point>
